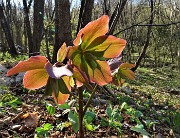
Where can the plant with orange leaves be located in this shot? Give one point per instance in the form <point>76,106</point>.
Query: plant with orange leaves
<point>94,58</point>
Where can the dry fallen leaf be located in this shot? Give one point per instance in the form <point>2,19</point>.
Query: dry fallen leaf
<point>30,120</point>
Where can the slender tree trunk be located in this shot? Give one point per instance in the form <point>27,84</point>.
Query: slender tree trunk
<point>28,27</point>
<point>115,16</point>
<point>178,61</point>
<point>17,20</point>
<point>80,15</point>
<point>38,26</point>
<point>6,28</point>
<point>143,53</point>
<point>85,14</point>
<point>62,26</point>
<point>106,9</point>
<point>2,41</point>
<point>25,43</point>
<point>47,44</point>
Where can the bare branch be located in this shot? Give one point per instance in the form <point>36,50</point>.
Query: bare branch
<point>138,24</point>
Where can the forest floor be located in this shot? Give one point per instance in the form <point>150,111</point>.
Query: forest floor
<point>146,107</point>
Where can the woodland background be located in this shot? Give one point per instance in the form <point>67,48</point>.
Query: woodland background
<point>151,27</point>
<point>150,103</point>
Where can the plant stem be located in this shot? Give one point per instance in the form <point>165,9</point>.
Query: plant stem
<point>81,131</point>
<point>90,99</point>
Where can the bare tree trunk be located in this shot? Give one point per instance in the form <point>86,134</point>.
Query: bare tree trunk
<point>147,38</point>
<point>38,26</point>
<point>47,44</point>
<point>28,26</point>
<point>178,61</point>
<point>17,22</point>
<point>2,41</point>
<point>85,14</point>
<point>6,28</point>
<point>115,16</point>
<point>25,43</point>
<point>62,26</point>
<point>106,9</point>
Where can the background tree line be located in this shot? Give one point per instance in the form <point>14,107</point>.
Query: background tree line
<point>151,27</point>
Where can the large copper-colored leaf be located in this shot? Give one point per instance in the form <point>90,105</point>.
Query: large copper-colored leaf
<point>125,69</point>
<point>127,66</point>
<point>72,51</point>
<point>58,72</point>
<point>59,97</point>
<point>101,75</point>
<point>91,31</point>
<point>128,73</point>
<point>80,75</point>
<point>62,52</point>
<point>110,45</point>
<point>35,79</point>
<point>34,62</point>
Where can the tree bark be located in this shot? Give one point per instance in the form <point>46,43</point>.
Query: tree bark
<point>28,26</point>
<point>143,53</point>
<point>38,26</point>
<point>178,61</point>
<point>63,31</point>
<point>85,13</point>
<point>6,28</point>
<point>115,16</point>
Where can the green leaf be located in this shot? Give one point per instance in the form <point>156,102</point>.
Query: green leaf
<point>116,115</point>
<point>51,109</point>
<point>47,127</point>
<point>139,129</point>
<point>73,118</point>
<point>93,64</point>
<point>104,122</point>
<point>40,130</point>
<point>64,106</point>
<point>63,125</point>
<point>44,130</point>
<point>109,111</point>
<point>89,117</point>
<point>91,60</point>
<point>15,101</point>
<point>138,113</point>
<point>90,127</point>
<point>1,104</point>
<point>63,87</point>
<point>123,105</point>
